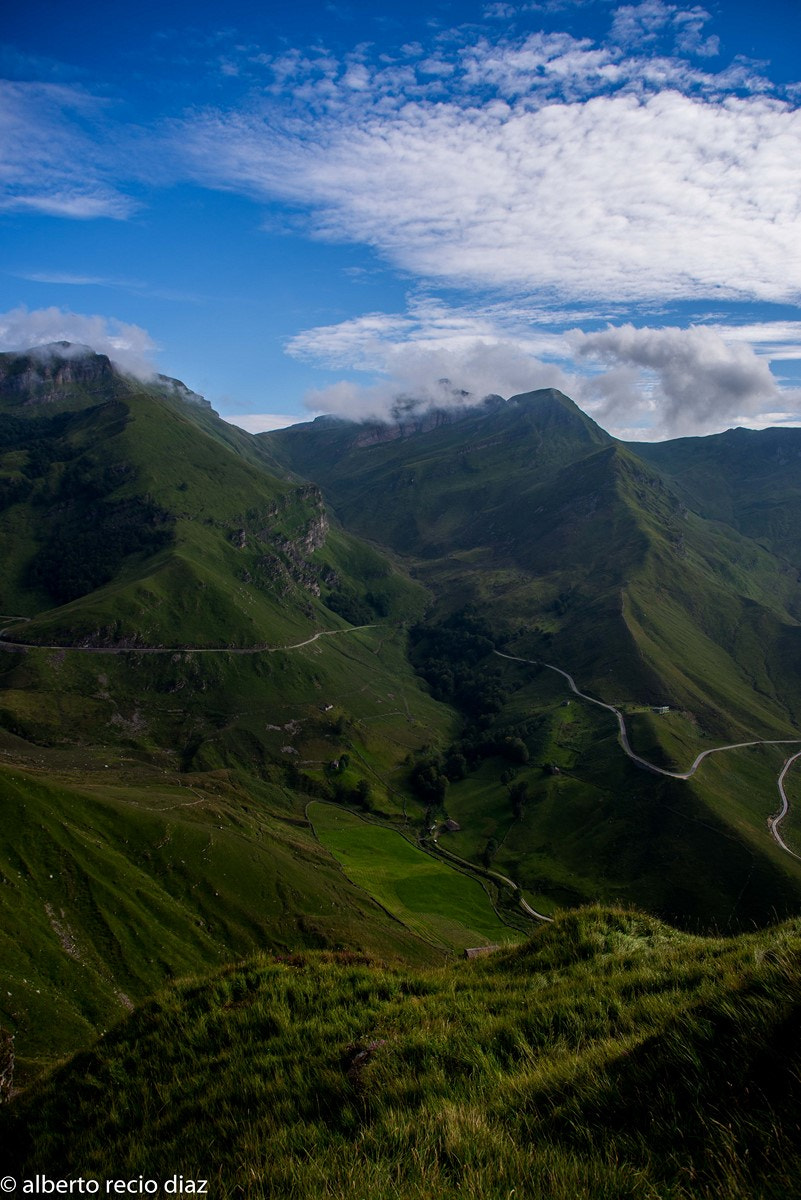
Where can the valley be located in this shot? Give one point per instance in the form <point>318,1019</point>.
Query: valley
<point>400,719</point>
<point>313,713</point>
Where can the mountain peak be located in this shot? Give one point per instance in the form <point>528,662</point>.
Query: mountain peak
<point>68,373</point>
<point>540,396</point>
<point>550,408</point>
<point>53,373</point>
<point>62,349</point>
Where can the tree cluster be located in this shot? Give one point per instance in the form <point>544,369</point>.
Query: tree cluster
<point>90,536</point>
<point>345,603</point>
<point>358,610</point>
<point>453,656</point>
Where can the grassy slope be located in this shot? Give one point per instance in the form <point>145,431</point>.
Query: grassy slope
<point>696,852</point>
<point>111,756</point>
<point>607,1057</point>
<point>424,893</point>
<point>747,478</point>
<point>118,888</point>
<point>712,615</point>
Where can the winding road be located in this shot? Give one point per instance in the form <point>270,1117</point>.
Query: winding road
<point>773,822</point>
<point>524,904</point>
<point>179,649</point>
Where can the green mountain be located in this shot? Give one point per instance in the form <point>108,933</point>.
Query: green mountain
<point>131,515</point>
<point>576,550</point>
<point>158,747</point>
<point>528,509</point>
<point>290,717</point>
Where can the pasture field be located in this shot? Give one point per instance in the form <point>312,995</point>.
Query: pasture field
<point>436,902</point>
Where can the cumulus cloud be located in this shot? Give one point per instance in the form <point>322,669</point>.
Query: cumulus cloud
<point>644,24</point>
<point>434,355</point>
<point>695,381</point>
<point>129,346</point>
<point>637,382</point>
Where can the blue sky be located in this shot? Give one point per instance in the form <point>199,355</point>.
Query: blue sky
<point>325,207</point>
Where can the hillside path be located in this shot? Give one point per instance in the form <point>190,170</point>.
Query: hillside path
<point>773,822</point>
<point>181,649</point>
<point>524,904</point>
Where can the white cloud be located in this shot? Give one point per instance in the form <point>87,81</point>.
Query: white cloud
<point>74,280</point>
<point>642,25</point>
<point>699,383</point>
<point>777,340</point>
<point>689,34</point>
<point>367,343</point>
<point>550,164</point>
<point>434,355</point>
<point>637,382</point>
<point>129,346</point>
<point>49,162</point>
<point>637,24</point>
<point>356,344</point>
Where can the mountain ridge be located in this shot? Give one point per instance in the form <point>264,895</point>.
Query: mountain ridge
<point>134,521</point>
<point>537,486</point>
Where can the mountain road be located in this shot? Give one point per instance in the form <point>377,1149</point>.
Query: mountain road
<point>4,641</point>
<point>773,822</point>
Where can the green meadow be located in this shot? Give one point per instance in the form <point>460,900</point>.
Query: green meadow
<point>440,904</point>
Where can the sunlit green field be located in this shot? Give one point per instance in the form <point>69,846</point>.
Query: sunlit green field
<point>438,903</point>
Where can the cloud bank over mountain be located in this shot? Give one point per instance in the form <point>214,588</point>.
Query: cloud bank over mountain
<point>128,346</point>
<point>600,196</point>
<point>637,382</point>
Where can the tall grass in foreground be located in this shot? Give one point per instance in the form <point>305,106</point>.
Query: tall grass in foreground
<point>608,1056</point>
